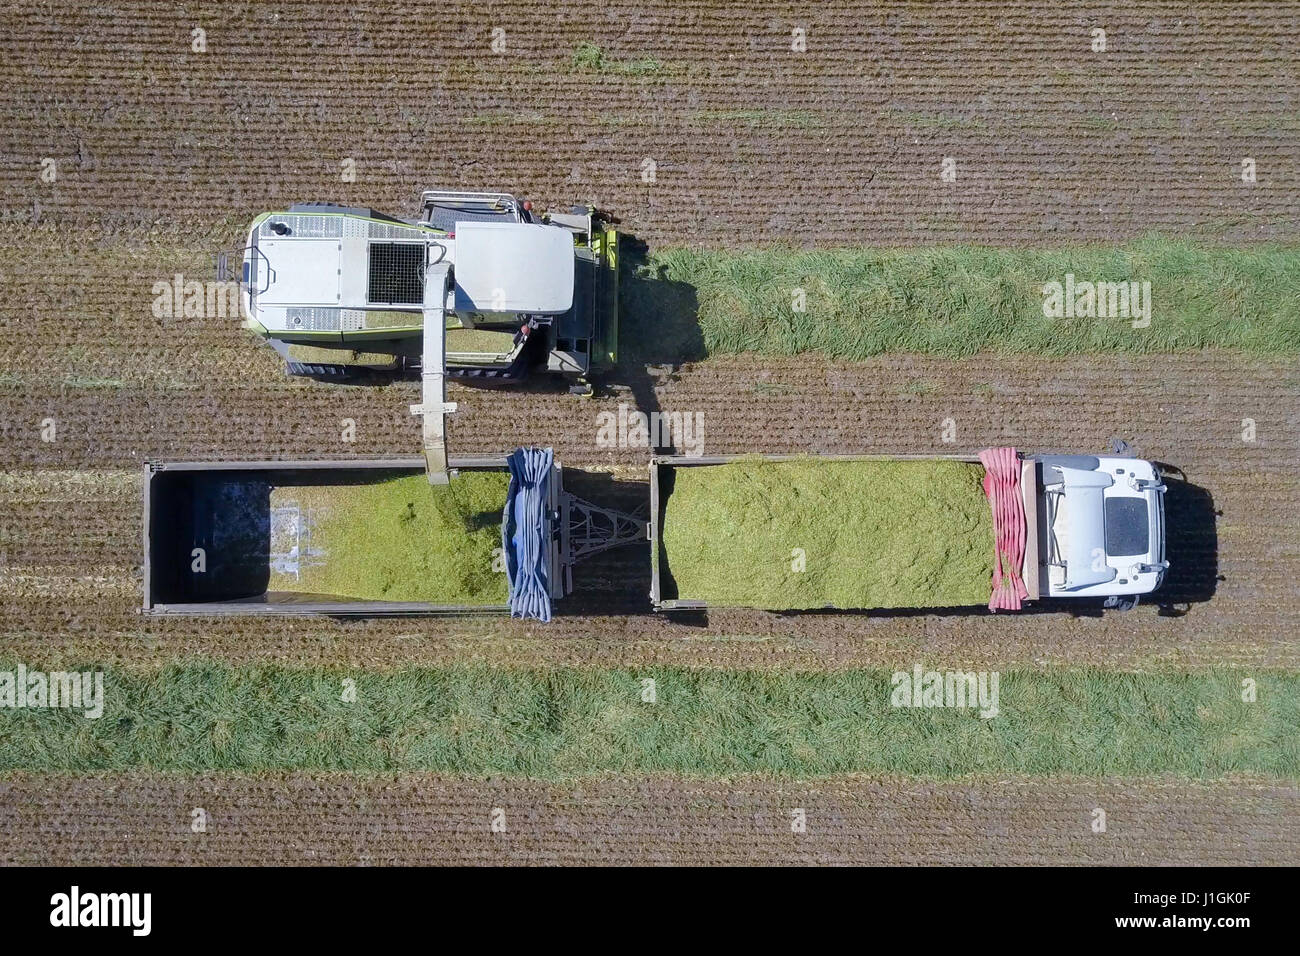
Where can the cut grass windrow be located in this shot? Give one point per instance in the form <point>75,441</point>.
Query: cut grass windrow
<point>962,300</point>
<point>565,723</point>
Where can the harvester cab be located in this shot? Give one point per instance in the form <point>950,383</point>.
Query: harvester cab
<point>479,289</point>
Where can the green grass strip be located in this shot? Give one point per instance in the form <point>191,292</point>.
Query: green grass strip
<point>569,722</point>
<point>957,300</point>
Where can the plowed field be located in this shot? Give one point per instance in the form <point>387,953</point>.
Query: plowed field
<point>424,819</point>
<point>73,544</point>
<point>840,143</point>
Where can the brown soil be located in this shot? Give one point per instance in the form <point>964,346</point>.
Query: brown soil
<point>841,143</point>
<point>163,155</point>
<point>424,819</point>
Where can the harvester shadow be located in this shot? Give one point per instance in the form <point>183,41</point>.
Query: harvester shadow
<point>659,329</point>
<point>228,521</point>
<point>1191,545</point>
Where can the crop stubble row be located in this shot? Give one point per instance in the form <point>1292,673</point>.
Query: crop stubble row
<point>1186,409</point>
<point>427,819</point>
<point>838,144</point>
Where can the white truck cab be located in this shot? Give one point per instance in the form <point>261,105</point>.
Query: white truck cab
<point>1101,526</point>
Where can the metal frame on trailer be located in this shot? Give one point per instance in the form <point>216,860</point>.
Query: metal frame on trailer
<point>481,204</point>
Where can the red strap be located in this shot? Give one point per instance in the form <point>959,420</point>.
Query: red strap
<point>1002,488</point>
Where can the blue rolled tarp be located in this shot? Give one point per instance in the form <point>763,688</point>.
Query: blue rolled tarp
<point>525,533</point>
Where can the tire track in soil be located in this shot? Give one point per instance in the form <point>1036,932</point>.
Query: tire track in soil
<point>423,819</point>
<point>1183,409</point>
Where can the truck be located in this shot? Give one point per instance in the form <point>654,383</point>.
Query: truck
<point>478,289</point>
<point>903,531</point>
<point>1089,529</point>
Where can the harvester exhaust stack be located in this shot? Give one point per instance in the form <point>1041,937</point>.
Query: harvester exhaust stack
<point>433,399</point>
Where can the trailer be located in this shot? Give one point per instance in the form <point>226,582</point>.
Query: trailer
<point>1080,527</point>
<point>233,538</point>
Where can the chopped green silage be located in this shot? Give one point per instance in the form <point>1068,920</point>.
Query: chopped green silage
<point>313,354</point>
<point>867,534</point>
<point>491,341</point>
<point>401,539</point>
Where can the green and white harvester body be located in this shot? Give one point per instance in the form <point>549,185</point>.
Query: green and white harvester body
<point>478,289</point>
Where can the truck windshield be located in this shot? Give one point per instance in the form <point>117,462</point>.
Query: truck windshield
<point>1127,527</point>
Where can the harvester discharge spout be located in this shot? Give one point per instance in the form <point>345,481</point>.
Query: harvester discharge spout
<point>433,378</point>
